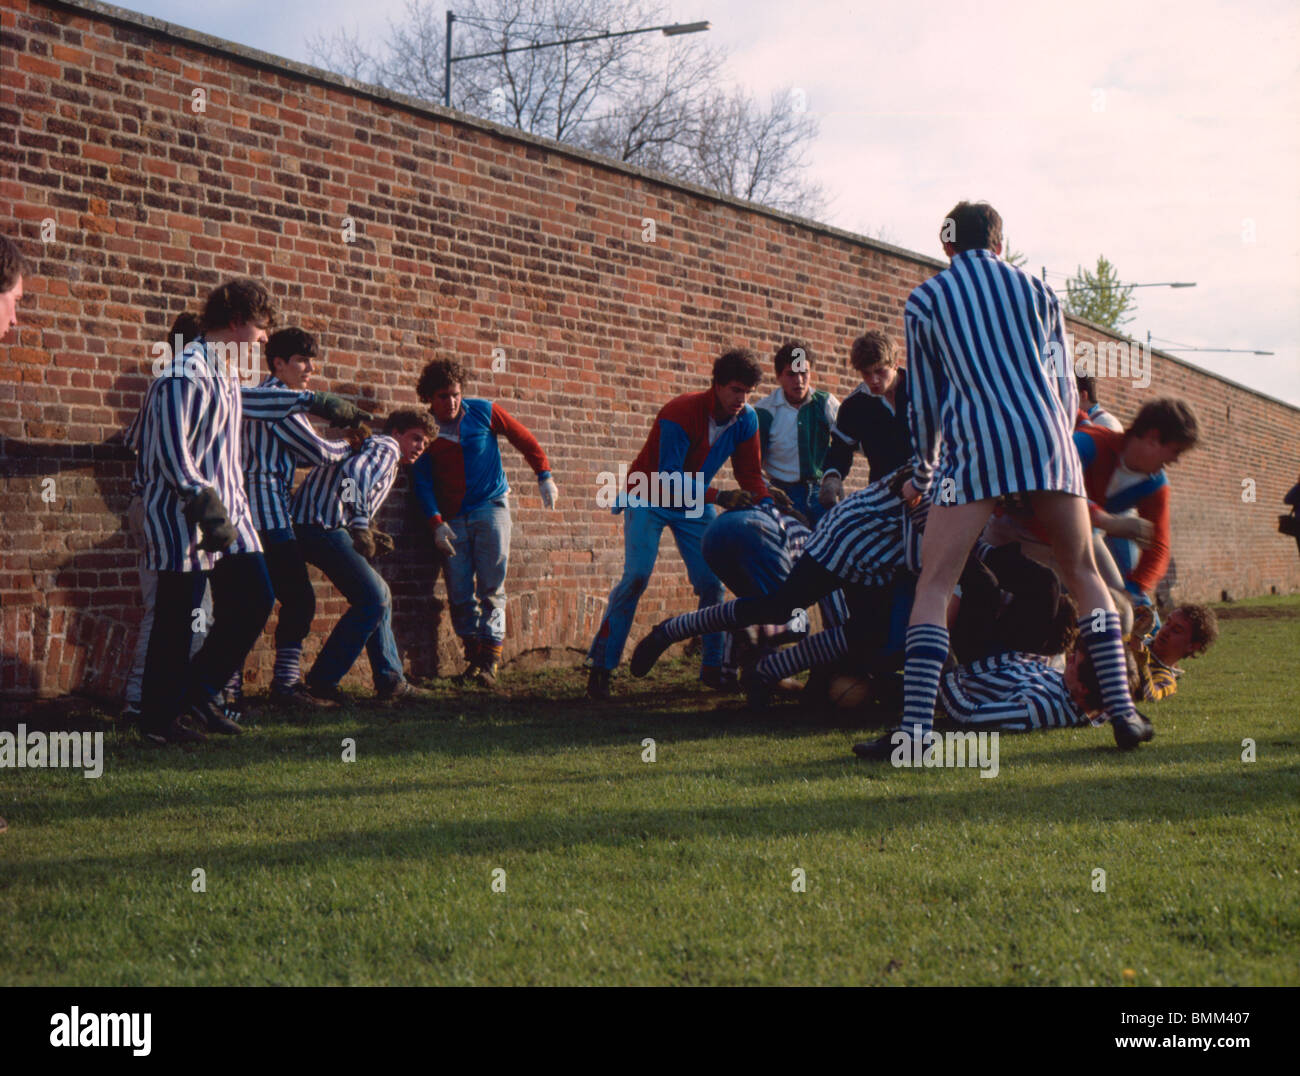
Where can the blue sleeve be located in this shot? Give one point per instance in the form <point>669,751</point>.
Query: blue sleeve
<point>674,444</point>
<point>422,485</point>
<point>1087,447</point>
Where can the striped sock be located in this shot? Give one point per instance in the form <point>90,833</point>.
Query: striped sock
<point>819,649</point>
<point>1106,650</point>
<point>288,666</point>
<point>927,650</point>
<point>489,650</point>
<point>235,685</point>
<point>703,622</point>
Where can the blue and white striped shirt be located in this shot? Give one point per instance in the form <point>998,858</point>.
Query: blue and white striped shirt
<point>868,535</point>
<point>188,438</point>
<point>1011,692</point>
<point>272,452</point>
<point>992,383</point>
<point>349,493</point>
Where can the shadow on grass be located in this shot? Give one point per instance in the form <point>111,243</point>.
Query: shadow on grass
<point>912,800</point>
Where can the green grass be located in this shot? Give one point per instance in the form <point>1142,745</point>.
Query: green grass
<point>677,871</point>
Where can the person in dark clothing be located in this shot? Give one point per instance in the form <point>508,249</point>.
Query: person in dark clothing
<point>871,420</point>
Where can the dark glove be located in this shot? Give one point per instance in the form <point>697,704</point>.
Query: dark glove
<point>206,511</point>
<point>730,499</point>
<point>363,541</point>
<point>336,410</point>
<point>383,542</point>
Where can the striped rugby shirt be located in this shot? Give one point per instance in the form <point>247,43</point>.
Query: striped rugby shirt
<point>992,383</point>
<point>188,437</point>
<point>348,493</point>
<point>1011,692</point>
<point>271,453</point>
<point>867,536</point>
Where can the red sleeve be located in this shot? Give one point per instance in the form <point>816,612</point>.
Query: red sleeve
<point>1154,560</point>
<point>519,435</point>
<point>746,465</point>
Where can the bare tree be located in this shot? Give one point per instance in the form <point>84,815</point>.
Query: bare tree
<point>635,98</point>
<point>757,153</point>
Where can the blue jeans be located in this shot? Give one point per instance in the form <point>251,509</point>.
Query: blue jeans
<point>368,623</point>
<point>747,550</point>
<point>642,527</point>
<point>476,575</point>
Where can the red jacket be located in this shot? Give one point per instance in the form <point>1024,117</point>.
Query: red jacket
<point>1101,449</point>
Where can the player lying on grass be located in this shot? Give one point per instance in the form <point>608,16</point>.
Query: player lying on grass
<point>197,524</point>
<point>272,451</point>
<point>857,547</point>
<point>668,485</point>
<point>333,514</point>
<point>993,410</point>
<point>752,550</point>
<point>1187,633</point>
<point>462,491</point>
<point>1013,618</point>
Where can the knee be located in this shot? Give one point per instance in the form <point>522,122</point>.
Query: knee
<point>633,585</point>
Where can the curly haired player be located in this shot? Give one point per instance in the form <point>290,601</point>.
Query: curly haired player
<point>692,437</point>
<point>1187,632</point>
<point>461,488</point>
<point>334,514</point>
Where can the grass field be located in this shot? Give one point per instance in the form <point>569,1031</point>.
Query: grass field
<point>676,871</point>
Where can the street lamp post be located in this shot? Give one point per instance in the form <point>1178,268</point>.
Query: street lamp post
<point>672,30</point>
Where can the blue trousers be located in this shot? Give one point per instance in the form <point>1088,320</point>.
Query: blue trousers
<point>803,495</point>
<point>368,623</point>
<point>643,525</point>
<point>476,575</point>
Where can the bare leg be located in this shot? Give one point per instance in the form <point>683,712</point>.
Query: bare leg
<point>1066,520</point>
<point>950,532</point>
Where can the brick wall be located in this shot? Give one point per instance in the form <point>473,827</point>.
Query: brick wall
<point>131,205</point>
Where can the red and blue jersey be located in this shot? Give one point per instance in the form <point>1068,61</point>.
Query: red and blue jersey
<point>679,444</point>
<point>462,469</point>
<point>1102,452</point>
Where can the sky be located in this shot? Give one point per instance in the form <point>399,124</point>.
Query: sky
<point>1162,135</point>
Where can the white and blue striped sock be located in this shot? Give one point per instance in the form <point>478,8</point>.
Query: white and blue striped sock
<point>1106,650</point>
<point>819,649</point>
<point>288,666</point>
<point>927,650</point>
<point>702,622</point>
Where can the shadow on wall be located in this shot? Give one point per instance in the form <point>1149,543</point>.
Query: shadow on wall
<point>71,600</point>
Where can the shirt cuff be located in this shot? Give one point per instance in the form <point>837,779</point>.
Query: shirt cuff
<point>542,476</point>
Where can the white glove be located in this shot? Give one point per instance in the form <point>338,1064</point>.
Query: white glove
<point>444,538</point>
<point>832,490</point>
<point>549,491</point>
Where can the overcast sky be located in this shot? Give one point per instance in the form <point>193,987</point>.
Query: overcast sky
<point>1163,135</point>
